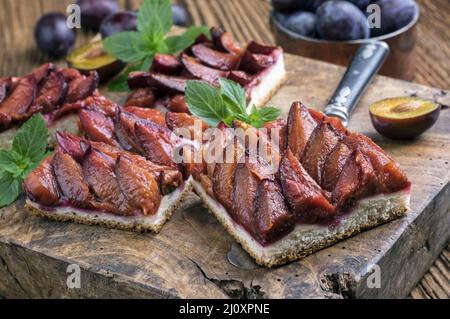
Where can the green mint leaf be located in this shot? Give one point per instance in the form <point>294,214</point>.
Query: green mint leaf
<point>177,43</point>
<point>15,164</point>
<point>206,102</point>
<point>234,96</point>
<point>268,114</point>
<point>30,141</point>
<point>9,189</point>
<point>194,32</point>
<point>129,46</point>
<point>155,18</point>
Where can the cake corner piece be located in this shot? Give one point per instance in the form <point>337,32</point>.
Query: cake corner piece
<point>307,239</point>
<point>153,223</point>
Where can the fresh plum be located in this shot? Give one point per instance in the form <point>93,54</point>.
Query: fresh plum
<point>290,5</point>
<point>53,36</point>
<point>395,14</point>
<point>179,15</point>
<point>118,22</point>
<point>303,23</point>
<point>341,21</point>
<point>362,4</point>
<point>94,11</point>
<point>92,57</point>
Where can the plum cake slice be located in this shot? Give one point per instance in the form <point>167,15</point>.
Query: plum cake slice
<point>48,89</point>
<point>258,68</point>
<point>330,185</point>
<point>94,182</point>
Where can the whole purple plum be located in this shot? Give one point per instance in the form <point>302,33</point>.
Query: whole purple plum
<point>341,21</point>
<point>94,11</point>
<point>118,22</point>
<point>293,5</point>
<point>53,36</point>
<point>362,4</point>
<point>302,22</point>
<point>395,14</point>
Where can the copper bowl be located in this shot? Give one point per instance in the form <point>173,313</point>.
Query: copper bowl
<point>400,63</point>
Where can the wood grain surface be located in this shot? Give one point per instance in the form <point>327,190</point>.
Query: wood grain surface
<point>247,20</point>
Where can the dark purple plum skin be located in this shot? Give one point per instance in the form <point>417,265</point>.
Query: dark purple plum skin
<point>405,129</point>
<point>53,36</point>
<point>341,21</point>
<point>292,5</point>
<point>180,16</point>
<point>362,4</point>
<point>94,11</point>
<point>395,14</point>
<point>118,22</point>
<point>302,22</point>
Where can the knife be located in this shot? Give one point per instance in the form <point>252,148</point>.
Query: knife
<point>365,64</point>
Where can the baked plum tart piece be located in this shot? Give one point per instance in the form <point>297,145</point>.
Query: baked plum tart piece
<point>94,182</point>
<point>258,68</point>
<point>48,89</point>
<point>330,184</point>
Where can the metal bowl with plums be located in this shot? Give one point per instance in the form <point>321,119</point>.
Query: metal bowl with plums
<point>332,30</point>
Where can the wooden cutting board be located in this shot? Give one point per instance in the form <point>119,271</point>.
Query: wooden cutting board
<point>189,257</point>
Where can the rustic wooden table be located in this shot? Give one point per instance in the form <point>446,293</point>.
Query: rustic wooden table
<point>246,20</point>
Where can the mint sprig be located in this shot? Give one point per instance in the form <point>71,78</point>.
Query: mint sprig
<point>139,47</point>
<point>225,103</point>
<point>27,151</point>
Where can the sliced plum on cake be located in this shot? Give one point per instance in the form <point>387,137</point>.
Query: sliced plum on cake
<point>258,68</point>
<point>97,183</point>
<point>50,90</point>
<point>331,184</point>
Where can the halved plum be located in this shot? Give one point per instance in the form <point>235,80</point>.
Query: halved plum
<point>92,57</point>
<point>272,218</point>
<point>404,117</point>
<point>215,59</point>
<point>307,200</point>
